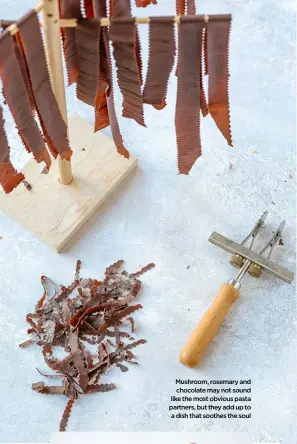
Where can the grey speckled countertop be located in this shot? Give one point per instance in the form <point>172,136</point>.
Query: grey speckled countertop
<point>159,216</point>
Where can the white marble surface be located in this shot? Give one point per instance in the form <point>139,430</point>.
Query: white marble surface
<point>162,217</point>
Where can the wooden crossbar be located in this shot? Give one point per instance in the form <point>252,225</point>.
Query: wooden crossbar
<point>71,23</point>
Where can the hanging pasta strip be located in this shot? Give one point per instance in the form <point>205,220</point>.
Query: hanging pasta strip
<point>70,9</point>
<point>89,9</point>
<point>122,8</point>
<point>145,3</point>
<point>24,69</point>
<point>205,51</point>
<point>9,177</point>
<point>52,123</point>
<point>203,102</point>
<point>18,101</point>
<point>100,9</point>
<point>187,116</point>
<point>101,112</point>
<point>184,7</point>
<point>180,7</point>
<point>203,70</point>
<point>191,8</point>
<point>122,34</point>
<point>91,84</point>
<point>161,60</point>
<point>218,78</point>
<point>104,105</point>
<point>188,7</point>
<point>87,43</point>
<point>114,125</point>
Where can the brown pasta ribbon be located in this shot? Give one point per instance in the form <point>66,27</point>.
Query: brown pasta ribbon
<point>122,8</point>
<point>9,177</point>
<point>203,102</point>
<point>191,8</point>
<point>188,7</point>
<point>89,8</point>
<point>122,34</point>
<point>101,111</point>
<point>205,51</point>
<point>25,70</point>
<point>218,59</point>
<point>145,3</point>
<point>16,96</point>
<point>161,60</point>
<point>52,123</point>
<point>180,7</point>
<point>99,7</point>
<point>117,137</point>
<point>185,7</point>
<point>70,9</point>
<point>87,42</point>
<point>187,116</point>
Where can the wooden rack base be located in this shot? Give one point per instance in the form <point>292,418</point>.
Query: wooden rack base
<point>54,212</point>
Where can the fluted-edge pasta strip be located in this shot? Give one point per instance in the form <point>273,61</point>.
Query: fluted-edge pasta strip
<point>66,415</point>
<point>188,7</point>
<point>101,112</point>
<point>203,102</point>
<point>87,43</point>
<point>184,7</point>
<point>122,34</point>
<point>100,9</point>
<point>70,9</point>
<point>24,69</point>
<point>9,177</point>
<point>52,123</point>
<point>180,7</point>
<point>145,3</point>
<point>161,60</point>
<point>205,51</point>
<point>17,98</point>
<point>191,8</point>
<point>122,8</point>
<point>114,125</point>
<point>187,116</point>
<point>218,77</point>
<point>89,8</point>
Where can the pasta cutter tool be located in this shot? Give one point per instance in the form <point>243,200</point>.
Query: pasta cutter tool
<point>248,261</point>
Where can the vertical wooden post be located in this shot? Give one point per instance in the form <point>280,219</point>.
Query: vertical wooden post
<point>51,26</point>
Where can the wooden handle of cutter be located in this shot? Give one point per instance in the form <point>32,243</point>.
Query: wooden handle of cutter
<point>193,351</point>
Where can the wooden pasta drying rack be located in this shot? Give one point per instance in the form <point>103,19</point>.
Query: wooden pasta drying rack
<point>61,201</point>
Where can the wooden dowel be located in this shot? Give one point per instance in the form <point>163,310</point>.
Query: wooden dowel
<point>50,19</point>
<point>71,23</point>
<point>39,7</point>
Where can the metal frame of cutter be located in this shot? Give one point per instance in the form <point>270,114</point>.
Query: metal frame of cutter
<point>248,260</point>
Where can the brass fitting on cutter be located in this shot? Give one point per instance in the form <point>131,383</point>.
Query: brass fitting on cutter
<point>236,260</point>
